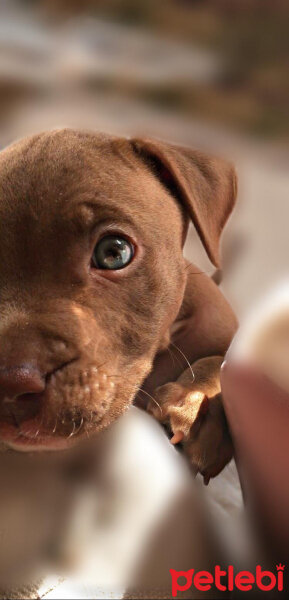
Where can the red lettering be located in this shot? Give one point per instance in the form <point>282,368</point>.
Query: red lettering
<point>218,575</point>
<point>259,576</point>
<point>244,580</point>
<point>203,581</point>
<point>176,587</point>
<point>230,578</point>
<point>280,580</point>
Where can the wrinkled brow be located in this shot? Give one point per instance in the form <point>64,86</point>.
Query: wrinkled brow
<point>86,214</point>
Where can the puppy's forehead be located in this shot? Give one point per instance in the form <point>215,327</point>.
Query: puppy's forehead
<point>69,172</point>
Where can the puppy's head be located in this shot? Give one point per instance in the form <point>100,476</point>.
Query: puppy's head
<point>92,273</point>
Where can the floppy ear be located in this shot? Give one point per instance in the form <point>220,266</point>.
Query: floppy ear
<point>206,186</point>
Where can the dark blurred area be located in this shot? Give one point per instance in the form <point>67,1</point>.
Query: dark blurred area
<point>225,61</point>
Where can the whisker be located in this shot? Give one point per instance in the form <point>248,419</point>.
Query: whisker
<point>184,356</point>
<point>37,432</point>
<point>174,358</point>
<point>80,426</point>
<point>73,430</point>
<point>151,397</point>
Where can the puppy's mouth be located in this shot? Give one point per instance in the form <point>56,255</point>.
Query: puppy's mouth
<point>24,408</point>
<point>68,409</point>
<point>24,426</point>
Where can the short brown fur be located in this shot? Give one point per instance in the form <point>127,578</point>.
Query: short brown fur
<point>95,337</point>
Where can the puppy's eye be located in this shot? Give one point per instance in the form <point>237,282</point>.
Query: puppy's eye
<point>112,252</point>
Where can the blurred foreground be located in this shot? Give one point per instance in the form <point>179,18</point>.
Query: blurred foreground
<point>113,516</point>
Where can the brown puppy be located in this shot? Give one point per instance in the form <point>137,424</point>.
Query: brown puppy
<point>94,289</point>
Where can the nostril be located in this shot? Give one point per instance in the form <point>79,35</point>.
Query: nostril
<point>16,381</point>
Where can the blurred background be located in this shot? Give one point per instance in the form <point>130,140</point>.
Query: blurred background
<point>212,74</point>
<point>209,73</point>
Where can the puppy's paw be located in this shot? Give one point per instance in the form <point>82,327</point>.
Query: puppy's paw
<point>208,445</point>
<point>198,422</point>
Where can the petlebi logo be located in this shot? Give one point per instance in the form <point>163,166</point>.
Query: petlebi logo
<point>228,580</point>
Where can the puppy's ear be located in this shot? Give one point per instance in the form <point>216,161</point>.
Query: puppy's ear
<point>206,186</point>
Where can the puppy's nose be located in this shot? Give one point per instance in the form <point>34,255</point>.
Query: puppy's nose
<point>16,381</point>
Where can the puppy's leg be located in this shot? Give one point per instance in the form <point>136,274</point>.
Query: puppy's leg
<point>192,407</point>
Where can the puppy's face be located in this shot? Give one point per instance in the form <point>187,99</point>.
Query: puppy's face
<point>91,275</point>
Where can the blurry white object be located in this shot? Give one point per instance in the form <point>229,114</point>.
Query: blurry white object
<point>263,339</point>
<point>145,501</point>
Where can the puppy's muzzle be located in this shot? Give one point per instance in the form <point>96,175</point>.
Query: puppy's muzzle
<point>23,393</point>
